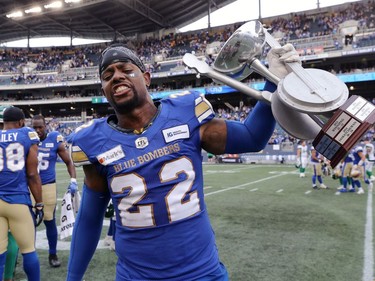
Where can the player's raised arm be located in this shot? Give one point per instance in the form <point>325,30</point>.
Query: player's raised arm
<point>252,135</point>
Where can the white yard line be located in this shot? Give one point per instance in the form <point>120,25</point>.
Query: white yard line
<point>245,184</point>
<point>368,265</point>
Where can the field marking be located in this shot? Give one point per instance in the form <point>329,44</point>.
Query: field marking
<point>280,190</point>
<point>41,242</point>
<point>307,192</point>
<point>368,265</point>
<point>254,189</point>
<point>245,184</point>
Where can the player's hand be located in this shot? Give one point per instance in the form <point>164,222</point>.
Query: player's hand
<point>39,213</point>
<point>73,186</point>
<point>278,57</point>
<point>110,211</point>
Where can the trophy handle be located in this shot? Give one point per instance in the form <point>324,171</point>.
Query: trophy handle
<point>303,126</point>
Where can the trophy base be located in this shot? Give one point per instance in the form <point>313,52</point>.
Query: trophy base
<point>344,129</point>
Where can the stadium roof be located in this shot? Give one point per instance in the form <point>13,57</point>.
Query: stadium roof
<point>99,19</point>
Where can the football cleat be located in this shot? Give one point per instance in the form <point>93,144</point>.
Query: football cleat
<point>315,186</point>
<point>107,240</point>
<point>352,189</point>
<point>343,190</point>
<point>360,191</point>
<point>53,260</point>
<point>323,186</point>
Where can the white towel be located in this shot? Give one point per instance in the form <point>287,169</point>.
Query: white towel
<point>67,218</point>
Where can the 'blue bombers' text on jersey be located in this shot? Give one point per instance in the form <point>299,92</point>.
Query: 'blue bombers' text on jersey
<point>14,148</point>
<point>156,184</point>
<point>47,156</point>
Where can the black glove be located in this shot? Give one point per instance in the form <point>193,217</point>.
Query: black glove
<point>39,213</point>
<point>110,211</point>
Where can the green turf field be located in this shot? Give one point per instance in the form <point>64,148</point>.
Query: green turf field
<point>270,226</point>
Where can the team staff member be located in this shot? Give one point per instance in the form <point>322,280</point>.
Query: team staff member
<point>51,145</point>
<point>19,174</point>
<point>147,158</point>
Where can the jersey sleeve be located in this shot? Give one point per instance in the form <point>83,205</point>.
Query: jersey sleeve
<point>32,135</point>
<point>203,109</point>
<point>193,103</point>
<point>59,138</point>
<point>78,156</point>
<point>83,142</point>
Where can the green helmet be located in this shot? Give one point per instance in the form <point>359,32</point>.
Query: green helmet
<point>2,109</point>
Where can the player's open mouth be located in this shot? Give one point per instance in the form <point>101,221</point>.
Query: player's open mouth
<point>121,90</point>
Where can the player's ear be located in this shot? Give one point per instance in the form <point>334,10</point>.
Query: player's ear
<point>147,78</point>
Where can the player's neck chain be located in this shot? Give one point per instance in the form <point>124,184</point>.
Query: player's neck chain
<point>113,122</point>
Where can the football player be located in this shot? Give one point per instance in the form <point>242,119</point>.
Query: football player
<point>370,159</point>
<point>50,147</point>
<point>12,250</point>
<point>302,157</point>
<point>19,176</point>
<point>359,164</point>
<point>316,162</point>
<point>346,169</point>
<point>147,159</point>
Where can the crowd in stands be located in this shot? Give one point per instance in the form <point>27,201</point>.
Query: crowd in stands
<point>295,26</point>
<point>66,125</point>
<point>57,61</point>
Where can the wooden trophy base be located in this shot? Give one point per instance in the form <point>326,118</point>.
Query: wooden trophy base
<point>345,128</point>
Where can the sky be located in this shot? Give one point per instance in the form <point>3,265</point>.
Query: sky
<point>239,11</point>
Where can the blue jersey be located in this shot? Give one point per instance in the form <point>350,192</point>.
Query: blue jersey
<point>317,156</point>
<point>357,157</point>
<point>47,156</point>
<point>349,158</point>
<point>156,183</point>
<point>14,148</point>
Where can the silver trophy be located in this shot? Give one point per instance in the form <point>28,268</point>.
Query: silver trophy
<point>305,101</point>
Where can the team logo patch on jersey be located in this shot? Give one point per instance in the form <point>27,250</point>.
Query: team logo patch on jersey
<point>49,144</point>
<point>176,133</point>
<point>141,142</point>
<point>111,155</point>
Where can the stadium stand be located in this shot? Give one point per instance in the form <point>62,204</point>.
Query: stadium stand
<point>62,82</point>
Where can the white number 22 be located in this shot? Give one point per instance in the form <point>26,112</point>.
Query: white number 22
<point>177,205</point>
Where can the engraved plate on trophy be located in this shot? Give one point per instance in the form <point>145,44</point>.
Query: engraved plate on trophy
<point>345,128</point>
